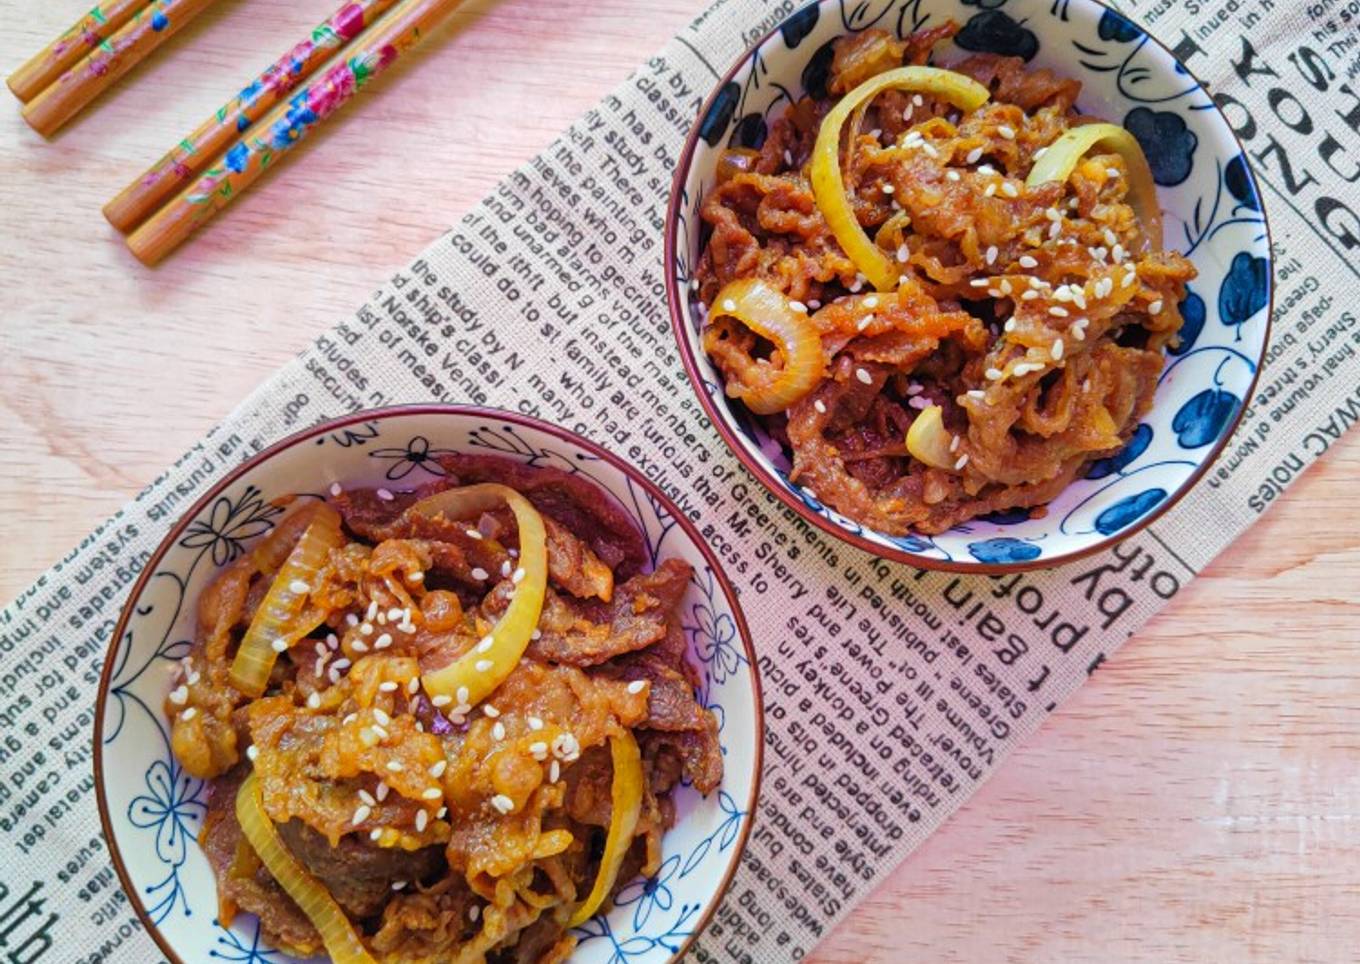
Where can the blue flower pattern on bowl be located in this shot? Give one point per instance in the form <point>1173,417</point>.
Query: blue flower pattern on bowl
<point>1213,213</point>
<point>158,810</point>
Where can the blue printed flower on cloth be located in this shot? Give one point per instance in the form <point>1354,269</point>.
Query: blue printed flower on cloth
<point>715,640</point>
<point>168,807</point>
<point>647,894</point>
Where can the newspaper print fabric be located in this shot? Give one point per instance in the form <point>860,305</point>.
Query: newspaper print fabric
<point>891,693</point>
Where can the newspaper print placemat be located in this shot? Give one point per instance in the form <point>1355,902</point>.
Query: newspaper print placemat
<point>891,693</point>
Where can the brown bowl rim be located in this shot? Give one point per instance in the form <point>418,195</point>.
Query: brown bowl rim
<point>780,491</point>
<point>374,414</point>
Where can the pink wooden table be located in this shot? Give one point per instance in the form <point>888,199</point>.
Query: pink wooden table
<point>1198,800</point>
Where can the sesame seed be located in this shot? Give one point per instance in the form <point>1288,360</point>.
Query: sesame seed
<point>361,814</point>
<point>1029,296</point>
<point>367,797</point>
<point>1077,332</point>
<point>814,304</point>
<point>385,494</point>
<point>536,634</point>
<point>1005,287</point>
<point>888,188</point>
<point>994,374</point>
<point>864,376</point>
<point>1038,284</point>
<point>864,322</point>
<point>1053,214</point>
<point>788,162</point>
<point>729,305</point>
<point>919,403</point>
<point>1111,239</point>
<point>432,793</point>
<point>498,731</point>
<point>372,609</point>
<point>974,156</point>
<point>931,151</point>
<point>1063,293</point>
<point>963,460</point>
<point>483,665</point>
<point>915,388</point>
<point>994,292</point>
<point>990,192</point>
<point>1040,153</point>
<point>298,587</point>
<point>388,686</point>
<point>502,803</point>
<point>491,711</point>
<point>413,685</point>
<point>1057,350</point>
<point>383,641</point>
<point>1058,311</point>
<point>359,646</point>
<point>474,912</point>
<point>416,576</point>
<point>1111,172</point>
<point>907,112</point>
<point>336,490</point>
<point>437,769</point>
<point>979,283</point>
<point>518,576</point>
<point>1027,261</point>
<point>954,443</point>
<point>382,790</point>
<point>535,723</point>
<point>637,686</point>
<point>480,574</point>
<point>1009,326</point>
<point>953,175</point>
<point>992,254</point>
<point>1118,254</point>
<point>441,813</point>
<point>473,534</point>
<point>484,646</point>
<point>1055,229</point>
<point>820,406</point>
<point>252,753</point>
<point>380,716</point>
<point>1128,279</point>
<point>986,170</point>
<point>395,766</point>
<point>279,645</point>
<point>314,701</point>
<point>1006,131</point>
<point>554,772</point>
<point>1086,385</point>
<point>366,629</point>
<point>179,695</point>
<point>351,619</point>
<point>382,619</point>
<point>799,307</point>
<point>505,569</point>
<point>1156,307</point>
<point>422,818</point>
<point>341,663</point>
<point>461,694</point>
<point>1079,298</point>
<point>538,750</point>
<point>375,834</point>
<point>1010,190</point>
<point>441,700</point>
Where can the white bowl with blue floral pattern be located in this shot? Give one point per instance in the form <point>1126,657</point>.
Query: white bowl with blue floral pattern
<point>152,810</point>
<point>1213,215</point>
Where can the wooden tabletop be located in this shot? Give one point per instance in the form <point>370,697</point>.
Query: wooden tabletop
<point>1198,800</point>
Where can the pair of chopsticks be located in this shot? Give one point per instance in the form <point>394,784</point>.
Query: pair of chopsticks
<point>210,167</point>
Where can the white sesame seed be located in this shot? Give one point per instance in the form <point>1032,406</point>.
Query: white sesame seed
<point>903,253</point>
<point>888,188</point>
<point>502,803</point>
<point>979,283</point>
<point>279,645</point>
<point>367,797</point>
<point>990,192</point>
<point>179,695</point>
<point>382,642</point>
<point>385,494</point>
<point>554,772</point>
<point>915,388</point>
<point>314,701</point>
<point>1005,287</point>
<point>963,460</point>
<point>918,100</point>
<point>505,569</point>
<point>1010,190</point>
<point>1040,153</point>
<point>1029,296</point>
<point>1058,311</point>
<point>1111,172</point>
<point>474,912</point>
<point>413,685</point>
<point>954,443</point>
<point>432,793</point>
<point>382,619</point>
<point>864,322</point>
<point>1029,262</point>
<point>536,634</point>
<point>361,814</point>
<point>340,664</point>
<point>461,694</point>
<point>986,170</point>
<point>1039,284</point>
<point>907,112</point>
<point>1062,293</point>
<point>441,813</point>
<point>535,723</point>
<point>1055,229</point>
<point>351,619</point>
<point>953,175</point>
<point>931,151</point>
<point>974,156</point>
<point>1079,298</point>
<point>473,534</point>
<point>437,769</point>
<point>388,686</point>
<point>1057,350</point>
<point>299,588</point>
<point>1086,385</point>
<point>480,574</point>
<point>1111,239</point>
<point>359,646</point>
<point>788,162</point>
<point>375,834</point>
<point>395,766</point>
<point>819,405</point>
<point>992,254</point>
<point>1118,255</point>
<point>637,686</point>
<point>729,305</point>
<point>252,753</point>
<point>1156,307</point>
<point>336,490</point>
<point>1006,131</point>
<point>382,790</point>
<point>366,629</point>
<point>422,818</point>
<point>994,374</point>
<point>518,576</point>
<point>864,376</point>
<point>538,750</point>
<point>814,304</point>
<point>491,711</point>
<point>1128,279</point>
<point>483,665</point>
<point>441,700</point>
<point>498,731</point>
<point>416,576</point>
<point>994,292</point>
<point>799,307</point>
<point>977,393</point>
<point>1009,326</point>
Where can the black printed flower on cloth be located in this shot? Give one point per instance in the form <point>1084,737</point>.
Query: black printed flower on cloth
<point>229,524</point>
<point>1168,143</point>
<point>996,32</point>
<point>416,455</point>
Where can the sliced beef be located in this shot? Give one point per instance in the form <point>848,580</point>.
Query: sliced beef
<point>698,752</point>
<point>359,874</point>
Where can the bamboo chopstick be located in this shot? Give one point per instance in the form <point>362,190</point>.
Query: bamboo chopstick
<point>193,153</point>
<point>79,39</point>
<point>401,30</point>
<point>150,27</point>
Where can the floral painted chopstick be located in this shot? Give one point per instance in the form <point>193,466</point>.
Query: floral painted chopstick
<point>80,38</point>
<point>196,151</point>
<point>402,29</point>
<point>149,27</point>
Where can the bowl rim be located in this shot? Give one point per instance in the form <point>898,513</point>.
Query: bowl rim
<point>895,553</point>
<point>374,414</point>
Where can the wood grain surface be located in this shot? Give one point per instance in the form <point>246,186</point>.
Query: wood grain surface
<point>1198,800</point>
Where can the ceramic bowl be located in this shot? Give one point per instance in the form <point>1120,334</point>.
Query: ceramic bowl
<point>1213,215</point>
<point>151,810</point>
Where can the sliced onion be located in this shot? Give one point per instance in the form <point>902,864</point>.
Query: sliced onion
<point>1061,158</point>
<point>342,942</point>
<point>762,308</point>
<point>480,670</point>
<point>626,805</point>
<point>828,183</point>
<point>282,614</point>
<point>927,440</point>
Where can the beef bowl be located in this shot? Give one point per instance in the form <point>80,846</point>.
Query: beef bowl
<point>970,286</point>
<point>429,683</point>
